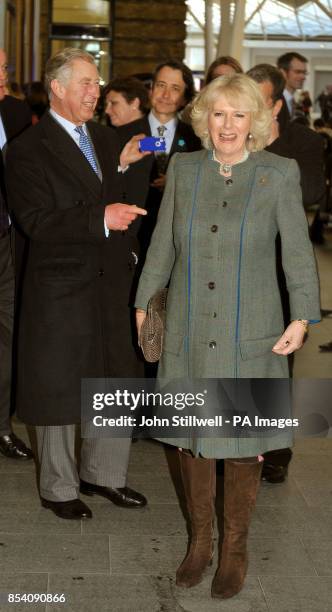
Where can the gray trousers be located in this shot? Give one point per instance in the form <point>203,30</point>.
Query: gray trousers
<point>103,461</point>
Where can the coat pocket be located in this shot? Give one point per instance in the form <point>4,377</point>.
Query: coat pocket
<point>249,349</point>
<point>60,269</point>
<point>172,343</point>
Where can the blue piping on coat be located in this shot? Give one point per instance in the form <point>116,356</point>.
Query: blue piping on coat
<point>194,201</point>
<point>237,325</point>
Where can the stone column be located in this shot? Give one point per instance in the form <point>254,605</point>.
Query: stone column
<point>210,51</point>
<point>238,30</point>
<point>147,32</point>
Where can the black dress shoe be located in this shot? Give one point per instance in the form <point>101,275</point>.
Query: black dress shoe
<point>326,348</point>
<point>275,474</point>
<point>73,509</point>
<point>326,312</point>
<point>124,496</point>
<point>14,448</point>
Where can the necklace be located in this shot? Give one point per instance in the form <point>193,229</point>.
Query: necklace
<point>226,167</point>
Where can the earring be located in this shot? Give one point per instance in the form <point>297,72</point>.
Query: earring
<point>250,136</point>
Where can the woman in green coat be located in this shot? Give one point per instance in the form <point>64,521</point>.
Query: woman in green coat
<point>214,244</point>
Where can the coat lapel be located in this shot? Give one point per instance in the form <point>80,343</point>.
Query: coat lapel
<point>179,144</point>
<point>60,144</point>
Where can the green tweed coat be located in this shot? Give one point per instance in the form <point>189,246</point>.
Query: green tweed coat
<point>214,244</point>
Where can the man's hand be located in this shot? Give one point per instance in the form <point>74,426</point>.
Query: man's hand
<point>131,153</point>
<point>291,340</point>
<point>159,182</point>
<point>120,216</point>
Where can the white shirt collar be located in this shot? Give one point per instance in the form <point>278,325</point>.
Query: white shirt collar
<point>155,123</point>
<point>289,99</point>
<point>69,126</point>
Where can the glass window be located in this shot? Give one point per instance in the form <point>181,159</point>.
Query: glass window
<point>81,11</point>
<point>272,18</point>
<point>99,50</point>
<point>83,24</point>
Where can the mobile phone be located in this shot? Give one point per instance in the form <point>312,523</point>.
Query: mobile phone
<point>151,143</point>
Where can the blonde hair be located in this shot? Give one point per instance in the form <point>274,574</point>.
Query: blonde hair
<point>242,93</point>
<point>60,65</point>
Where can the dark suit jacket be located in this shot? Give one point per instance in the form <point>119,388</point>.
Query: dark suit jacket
<point>16,117</point>
<point>306,147</point>
<point>139,176</point>
<point>75,318</point>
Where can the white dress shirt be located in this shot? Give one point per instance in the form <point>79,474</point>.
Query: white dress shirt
<point>289,101</point>
<point>169,132</point>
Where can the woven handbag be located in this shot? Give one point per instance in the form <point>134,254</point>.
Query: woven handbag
<point>152,330</point>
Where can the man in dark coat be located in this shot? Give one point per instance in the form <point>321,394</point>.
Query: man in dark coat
<point>172,89</point>
<point>15,116</point>
<point>289,139</point>
<point>75,317</point>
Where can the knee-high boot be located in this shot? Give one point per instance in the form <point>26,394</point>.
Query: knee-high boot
<point>241,484</point>
<point>199,482</point>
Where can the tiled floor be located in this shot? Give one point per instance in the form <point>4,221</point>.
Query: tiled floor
<point>125,560</point>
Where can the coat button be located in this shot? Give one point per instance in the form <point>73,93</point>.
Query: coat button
<point>214,228</point>
<point>224,204</point>
<point>101,272</point>
<point>212,344</point>
<point>211,285</point>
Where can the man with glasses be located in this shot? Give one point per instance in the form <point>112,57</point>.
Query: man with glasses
<point>293,67</point>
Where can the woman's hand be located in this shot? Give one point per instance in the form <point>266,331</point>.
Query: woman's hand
<point>140,317</point>
<point>292,339</point>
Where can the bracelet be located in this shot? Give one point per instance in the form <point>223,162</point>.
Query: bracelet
<point>304,323</point>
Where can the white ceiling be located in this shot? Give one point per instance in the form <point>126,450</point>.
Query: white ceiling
<point>274,19</point>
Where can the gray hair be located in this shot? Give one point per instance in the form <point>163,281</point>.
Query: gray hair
<point>242,93</point>
<point>60,65</point>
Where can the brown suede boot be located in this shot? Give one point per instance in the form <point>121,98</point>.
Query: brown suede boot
<point>199,483</point>
<point>241,483</point>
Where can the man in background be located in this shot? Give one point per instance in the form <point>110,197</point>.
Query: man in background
<point>288,139</point>
<point>15,116</point>
<point>294,68</point>
<point>172,89</point>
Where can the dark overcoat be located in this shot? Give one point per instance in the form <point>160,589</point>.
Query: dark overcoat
<point>140,175</point>
<point>75,316</point>
<point>214,243</point>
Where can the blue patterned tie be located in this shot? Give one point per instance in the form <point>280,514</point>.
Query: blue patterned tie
<point>86,148</point>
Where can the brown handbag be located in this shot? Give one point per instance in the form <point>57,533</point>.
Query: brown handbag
<point>152,330</point>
